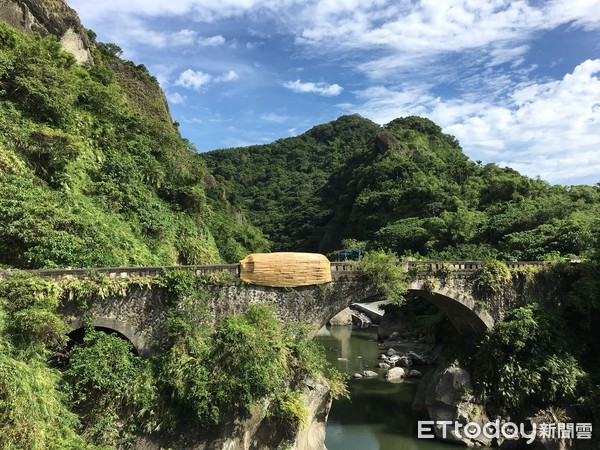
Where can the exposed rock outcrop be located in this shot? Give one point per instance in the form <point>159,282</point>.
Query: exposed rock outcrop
<point>49,18</point>
<point>386,141</point>
<point>445,395</point>
<point>344,317</point>
<point>256,432</point>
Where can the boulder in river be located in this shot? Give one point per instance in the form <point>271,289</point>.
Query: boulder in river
<point>444,394</point>
<point>344,317</point>
<point>404,361</point>
<point>395,373</point>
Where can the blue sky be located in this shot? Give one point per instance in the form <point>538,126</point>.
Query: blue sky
<point>517,82</point>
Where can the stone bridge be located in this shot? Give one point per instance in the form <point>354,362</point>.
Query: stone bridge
<point>139,315</point>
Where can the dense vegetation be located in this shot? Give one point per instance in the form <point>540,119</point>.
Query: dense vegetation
<point>406,187</point>
<point>104,394</point>
<point>93,172</point>
<point>539,358</point>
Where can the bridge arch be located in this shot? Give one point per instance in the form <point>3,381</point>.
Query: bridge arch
<point>76,337</point>
<point>454,301</point>
<point>460,308</point>
<point>119,327</point>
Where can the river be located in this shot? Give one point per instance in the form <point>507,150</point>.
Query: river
<point>378,415</point>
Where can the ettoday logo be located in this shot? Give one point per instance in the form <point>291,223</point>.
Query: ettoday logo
<point>504,431</point>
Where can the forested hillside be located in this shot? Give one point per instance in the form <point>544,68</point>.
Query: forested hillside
<point>93,171</point>
<point>405,186</point>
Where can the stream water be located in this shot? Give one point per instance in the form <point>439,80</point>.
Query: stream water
<point>378,415</point>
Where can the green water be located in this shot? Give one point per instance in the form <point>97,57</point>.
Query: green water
<point>378,414</point>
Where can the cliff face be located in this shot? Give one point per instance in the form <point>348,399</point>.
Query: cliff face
<point>256,431</point>
<point>47,17</point>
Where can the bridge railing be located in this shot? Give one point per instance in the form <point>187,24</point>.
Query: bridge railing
<point>347,266</point>
<point>337,268</point>
<point>470,266</point>
<point>130,272</point>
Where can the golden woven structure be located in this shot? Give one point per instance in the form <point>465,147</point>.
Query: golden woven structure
<point>285,269</point>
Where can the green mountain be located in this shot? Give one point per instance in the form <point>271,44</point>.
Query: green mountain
<point>93,172</point>
<point>405,186</point>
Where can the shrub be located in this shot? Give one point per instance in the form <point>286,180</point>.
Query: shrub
<point>382,270</point>
<point>492,278</point>
<point>33,412</point>
<point>523,362</point>
<point>291,407</point>
<point>112,388</point>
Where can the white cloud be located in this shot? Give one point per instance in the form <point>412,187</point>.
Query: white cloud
<point>193,121</point>
<point>196,80</point>
<point>213,41</point>
<point>274,117</point>
<point>546,128</point>
<point>472,53</point>
<point>398,34</point>
<point>184,37</point>
<point>181,38</point>
<point>324,89</point>
<point>229,76</point>
<point>193,79</point>
<point>199,10</point>
<point>405,36</point>
<point>253,45</point>
<point>176,98</point>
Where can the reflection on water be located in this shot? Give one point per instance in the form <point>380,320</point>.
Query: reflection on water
<point>378,414</point>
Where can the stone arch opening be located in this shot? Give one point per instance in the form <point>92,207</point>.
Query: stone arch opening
<point>457,305</point>
<point>459,311</point>
<point>76,336</point>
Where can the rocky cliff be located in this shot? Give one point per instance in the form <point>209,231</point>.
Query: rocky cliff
<point>49,17</point>
<point>256,431</point>
<point>445,394</point>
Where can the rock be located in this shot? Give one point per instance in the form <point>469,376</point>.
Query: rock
<point>420,359</point>
<point>391,352</point>
<point>55,18</point>
<point>344,317</point>
<point>441,393</point>
<point>416,358</point>
<point>395,373</point>
<point>383,365</point>
<point>415,374</point>
<point>542,442</point>
<point>394,321</point>
<point>369,374</point>
<point>393,359</point>
<point>394,336</point>
<point>255,430</point>
<point>386,141</point>
<point>357,375</point>
<point>404,361</point>
<point>419,401</point>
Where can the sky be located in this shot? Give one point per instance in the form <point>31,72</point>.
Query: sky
<point>517,82</point>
